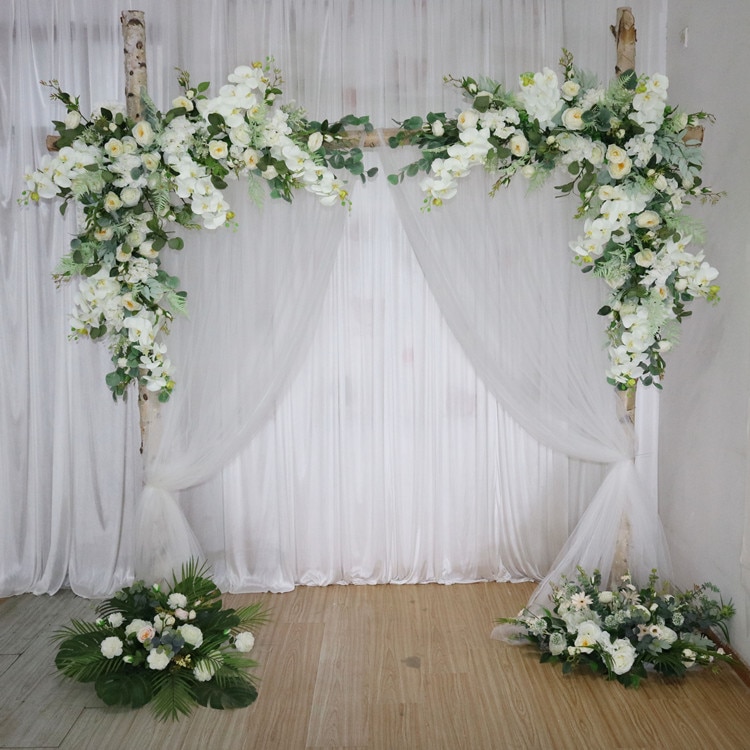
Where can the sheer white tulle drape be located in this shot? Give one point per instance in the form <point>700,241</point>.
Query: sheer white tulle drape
<point>387,457</point>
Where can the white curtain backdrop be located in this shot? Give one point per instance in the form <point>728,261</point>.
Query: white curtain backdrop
<point>363,428</point>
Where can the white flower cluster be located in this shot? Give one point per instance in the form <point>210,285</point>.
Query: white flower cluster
<point>634,174</point>
<point>132,179</point>
<point>170,634</point>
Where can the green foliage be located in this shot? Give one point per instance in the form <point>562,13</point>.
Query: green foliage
<point>143,648</point>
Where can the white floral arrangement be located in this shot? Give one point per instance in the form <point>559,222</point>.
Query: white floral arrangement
<point>172,647</point>
<point>132,180</point>
<point>625,151</point>
<point>622,633</point>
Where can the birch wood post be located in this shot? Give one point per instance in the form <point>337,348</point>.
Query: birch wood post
<point>625,37</point>
<point>134,38</point>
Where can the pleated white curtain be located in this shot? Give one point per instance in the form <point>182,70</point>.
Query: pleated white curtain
<point>387,456</point>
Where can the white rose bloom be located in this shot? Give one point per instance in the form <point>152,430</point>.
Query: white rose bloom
<point>112,202</point>
<point>648,220</point>
<point>114,148</point>
<point>468,119</point>
<point>519,146</point>
<point>244,641</point>
<point>570,89</point>
<point>191,634</point>
<point>218,149</point>
<point>619,169</point>
<point>157,660</point>
<point>437,128</point>
<point>623,655</point>
<point>143,133</point>
<point>151,160</point>
<point>605,597</point>
<point>130,196</point>
<point>116,619</point>
<point>573,118</point>
<point>184,102</point>
<point>72,119</point>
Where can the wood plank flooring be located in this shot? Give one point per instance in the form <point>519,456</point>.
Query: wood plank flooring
<point>376,668</point>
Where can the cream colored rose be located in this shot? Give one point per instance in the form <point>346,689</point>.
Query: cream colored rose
<point>468,119</point>
<point>218,149</point>
<point>519,146</point>
<point>573,118</point>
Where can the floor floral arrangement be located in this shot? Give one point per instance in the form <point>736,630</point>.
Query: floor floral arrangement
<point>625,632</point>
<point>172,647</point>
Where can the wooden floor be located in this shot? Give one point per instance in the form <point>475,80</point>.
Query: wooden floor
<point>384,667</point>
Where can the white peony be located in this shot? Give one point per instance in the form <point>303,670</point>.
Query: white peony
<point>111,647</point>
<point>204,671</point>
<point>157,660</point>
<point>116,619</point>
<point>244,641</point>
<point>176,600</point>
<point>191,634</point>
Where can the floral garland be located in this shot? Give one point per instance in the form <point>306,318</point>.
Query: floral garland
<point>620,633</point>
<point>174,648</point>
<point>624,150</point>
<point>133,179</point>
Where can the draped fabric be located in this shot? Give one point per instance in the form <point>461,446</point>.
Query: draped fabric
<point>338,417</point>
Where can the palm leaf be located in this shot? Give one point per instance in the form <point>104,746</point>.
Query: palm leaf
<point>252,616</point>
<point>80,658</point>
<point>174,694</point>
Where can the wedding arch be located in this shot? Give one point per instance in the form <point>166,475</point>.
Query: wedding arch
<point>558,431</point>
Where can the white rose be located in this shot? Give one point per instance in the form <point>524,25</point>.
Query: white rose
<point>605,597</point>
<point>151,160</point>
<point>192,635</point>
<point>644,258</point>
<point>112,202</point>
<point>468,119</point>
<point>244,641</point>
<point>619,169</point>
<point>157,660</point>
<point>72,119</point>
<point>623,655</point>
<point>315,141</point>
<point>184,102</point>
<point>437,128</point>
<point>130,196</point>
<point>218,149</point>
<point>570,89</point>
<point>519,146</point>
<point>648,220</point>
<point>114,148</point>
<point>572,118</point>
<point>143,133</point>
<point>111,647</point>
